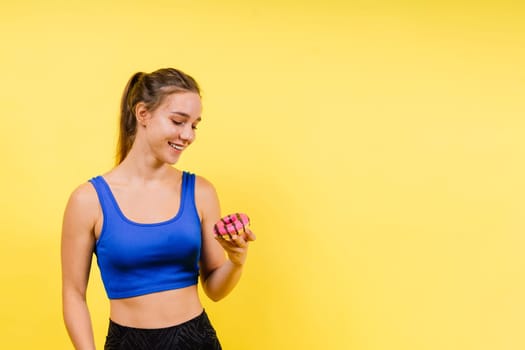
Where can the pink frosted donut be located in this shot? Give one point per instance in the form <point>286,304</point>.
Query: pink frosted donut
<point>232,224</point>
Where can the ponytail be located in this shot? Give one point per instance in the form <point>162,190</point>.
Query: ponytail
<point>128,121</point>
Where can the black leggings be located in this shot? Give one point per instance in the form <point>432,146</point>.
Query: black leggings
<point>195,334</point>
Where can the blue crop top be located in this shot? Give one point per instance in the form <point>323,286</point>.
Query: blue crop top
<point>141,258</point>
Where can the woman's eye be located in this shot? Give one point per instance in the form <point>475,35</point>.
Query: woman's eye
<point>182,123</point>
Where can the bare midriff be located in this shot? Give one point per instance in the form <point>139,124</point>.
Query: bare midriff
<point>157,310</point>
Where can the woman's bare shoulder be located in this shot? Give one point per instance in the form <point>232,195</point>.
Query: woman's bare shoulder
<point>206,197</point>
<point>204,189</point>
<point>84,192</point>
<point>203,184</point>
<point>84,198</point>
<point>82,212</point>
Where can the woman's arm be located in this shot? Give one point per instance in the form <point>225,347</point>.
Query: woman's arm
<point>218,275</point>
<point>77,246</point>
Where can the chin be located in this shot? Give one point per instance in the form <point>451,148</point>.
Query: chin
<point>171,160</point>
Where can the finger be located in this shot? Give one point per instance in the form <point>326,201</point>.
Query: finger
<point>250,236</point>
<point>229,241</point>
<point>224,237</point>
<point>223,241</point>
<point>239,241</point>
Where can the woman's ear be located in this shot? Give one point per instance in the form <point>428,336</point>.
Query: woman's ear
<point>141,113</point>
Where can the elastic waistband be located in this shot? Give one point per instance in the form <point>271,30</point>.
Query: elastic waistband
<point>201,316</point>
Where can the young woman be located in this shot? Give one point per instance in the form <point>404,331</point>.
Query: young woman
<point>151,227</point>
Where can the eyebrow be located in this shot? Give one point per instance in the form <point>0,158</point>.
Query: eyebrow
<point>185,115</point>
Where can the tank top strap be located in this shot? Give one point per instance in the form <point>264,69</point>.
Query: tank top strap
<point>104,197</point>
<point>188,190</point>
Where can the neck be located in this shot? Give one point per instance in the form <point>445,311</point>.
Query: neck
<point>141,165</point>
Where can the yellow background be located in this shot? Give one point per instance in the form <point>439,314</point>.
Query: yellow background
<point>377,145</point>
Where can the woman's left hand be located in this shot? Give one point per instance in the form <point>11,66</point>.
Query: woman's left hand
<point>237,246</point>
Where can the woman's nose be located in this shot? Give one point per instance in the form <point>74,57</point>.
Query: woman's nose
<point>187,134</point>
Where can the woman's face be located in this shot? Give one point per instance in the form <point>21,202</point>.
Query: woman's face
<point>170,128</point>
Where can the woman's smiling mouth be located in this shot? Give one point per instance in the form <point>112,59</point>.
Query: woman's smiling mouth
<point>177,147</point>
